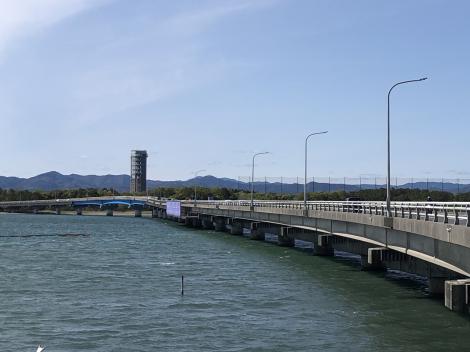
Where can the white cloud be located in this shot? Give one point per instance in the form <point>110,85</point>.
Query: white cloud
<point>25,17</point>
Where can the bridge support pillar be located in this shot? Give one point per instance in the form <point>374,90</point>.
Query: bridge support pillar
<point>236,228</point>
<point>437,286</point>
<point>138,213</point>
<point>256,232</point>
<point>78,211</point>
<point>109,212</point>
<point>456,295</point>
<point>208,223</point>
<point>35,211</point>
<point>155,213</point>
<point>220,225</point>
<point>57,211</point>
<point>284,238</point>
<point>323,246</point>
<point>374,260</point>
<point>192,221</point>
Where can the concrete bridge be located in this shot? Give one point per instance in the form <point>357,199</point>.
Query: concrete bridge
<point>430,239</point>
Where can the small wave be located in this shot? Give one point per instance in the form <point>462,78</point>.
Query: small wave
<point>166,263</point>
<point>49,235</point>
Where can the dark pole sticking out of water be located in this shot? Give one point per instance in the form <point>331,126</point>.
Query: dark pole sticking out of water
<point>182,285</point>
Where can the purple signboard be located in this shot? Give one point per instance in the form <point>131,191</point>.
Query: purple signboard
<point>173,208</point>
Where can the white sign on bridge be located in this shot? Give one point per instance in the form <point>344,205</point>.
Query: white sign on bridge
<point>173,208</point>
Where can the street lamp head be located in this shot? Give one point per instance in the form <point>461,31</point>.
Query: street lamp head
<point>314,134</point>
<point>261,153</point>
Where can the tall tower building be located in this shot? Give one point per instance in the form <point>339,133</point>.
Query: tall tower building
<point>138,171</point>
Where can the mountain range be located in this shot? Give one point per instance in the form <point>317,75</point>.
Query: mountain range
<point>54,180</point>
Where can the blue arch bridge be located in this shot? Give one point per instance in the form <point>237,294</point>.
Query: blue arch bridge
<point>102,203</point>
<point>108,204</point>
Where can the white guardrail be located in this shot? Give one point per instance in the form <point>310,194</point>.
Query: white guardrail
<point>457,213</point>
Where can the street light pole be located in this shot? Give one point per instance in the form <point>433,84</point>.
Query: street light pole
<point>389,212</point>
<point>305,179</point>
<point>253,176</point>
<point>195,184</point>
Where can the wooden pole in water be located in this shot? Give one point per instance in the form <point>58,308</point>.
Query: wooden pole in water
<point>182,285</point>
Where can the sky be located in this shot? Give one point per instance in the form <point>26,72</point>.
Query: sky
<point>205,84</point>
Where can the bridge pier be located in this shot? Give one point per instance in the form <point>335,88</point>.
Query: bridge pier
<point>374,260</point>
<point>256,232</point>
<point>78,211</point>
<point>437,286</point>
<point>457,295</point>
<point>236,228</point>
<point>192,221</point>
<point>220,225</point>
<point>138,213</point>
<point>109,212</point>
<point>284,238</point>
<point>155,213</point>
<point>57,211</point>
<point>323,246</point>
<point>35,211</point>
<point>208,223</point>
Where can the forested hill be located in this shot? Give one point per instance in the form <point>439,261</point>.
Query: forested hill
<point>54,180</point>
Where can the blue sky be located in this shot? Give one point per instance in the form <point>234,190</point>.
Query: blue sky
<point>204,84</point>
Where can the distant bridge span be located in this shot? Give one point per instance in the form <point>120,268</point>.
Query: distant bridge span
<point>77,202</point>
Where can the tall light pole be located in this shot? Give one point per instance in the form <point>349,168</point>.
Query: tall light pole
<point>195,184</point>
<point>305,179</point>
<point>253,176</point>
<point>389,212</point>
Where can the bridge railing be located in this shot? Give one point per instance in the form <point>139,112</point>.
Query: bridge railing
<point>457,213</point>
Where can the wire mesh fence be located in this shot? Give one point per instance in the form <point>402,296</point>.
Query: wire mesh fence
<point>292,185</point>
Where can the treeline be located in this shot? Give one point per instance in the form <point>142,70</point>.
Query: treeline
<point>13,195</point>
<point>399,194</point>
<point>204,193</point>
